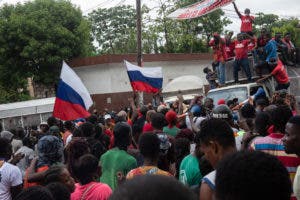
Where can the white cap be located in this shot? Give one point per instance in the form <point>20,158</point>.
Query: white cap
<point>107,116</point>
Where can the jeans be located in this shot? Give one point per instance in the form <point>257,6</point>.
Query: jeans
<point>244,63</point>
<point>282,86</point>
<point>255,56</point>
<point>221,73</point>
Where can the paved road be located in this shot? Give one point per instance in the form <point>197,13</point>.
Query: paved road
<point>294,74</point>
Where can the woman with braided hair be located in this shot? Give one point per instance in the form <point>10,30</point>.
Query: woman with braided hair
<point>75,149</point>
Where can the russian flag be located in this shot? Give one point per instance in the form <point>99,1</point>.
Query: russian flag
<point>142,79</point>
<point>72,98</point>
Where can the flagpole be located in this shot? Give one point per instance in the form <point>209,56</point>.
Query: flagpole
<point>139,44</point>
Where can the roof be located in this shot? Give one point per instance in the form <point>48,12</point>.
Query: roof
<point>119,58</point>
<point>184,83</point>
<point>30,107</point>
<point>233,86</point>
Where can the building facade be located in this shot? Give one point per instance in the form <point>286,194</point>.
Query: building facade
<point>107,81</point>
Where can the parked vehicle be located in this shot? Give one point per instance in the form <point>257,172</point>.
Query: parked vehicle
<point>241,91</point>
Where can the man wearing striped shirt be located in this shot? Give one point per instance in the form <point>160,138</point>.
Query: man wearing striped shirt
<point>291,143</point>
<point>273,144</point>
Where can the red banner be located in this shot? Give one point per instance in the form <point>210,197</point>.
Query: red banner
<point>199,9</point>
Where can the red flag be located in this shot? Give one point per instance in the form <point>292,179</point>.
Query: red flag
<point>199,9</point>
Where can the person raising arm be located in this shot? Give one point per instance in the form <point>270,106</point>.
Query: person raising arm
<point>247,19</point>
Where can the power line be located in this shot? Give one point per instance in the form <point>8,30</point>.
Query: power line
<point>104,3</point>
<point>97,6</point>
<point>120,3</point>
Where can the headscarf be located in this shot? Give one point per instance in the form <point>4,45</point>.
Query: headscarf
<point>7,135</point>
<point>50,150</point>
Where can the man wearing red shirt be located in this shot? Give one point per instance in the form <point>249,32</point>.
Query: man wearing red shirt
<point>241,57</point>
<point>279,73</point>
<point>229,45</point>
<point>218,45</point>
<point>291,55</point>
<point>246,19</point>
<point>252,46</point>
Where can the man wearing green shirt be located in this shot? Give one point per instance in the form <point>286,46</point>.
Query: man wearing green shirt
<point>116,163</point>
<point>189,171</point>
<point>171,129</point>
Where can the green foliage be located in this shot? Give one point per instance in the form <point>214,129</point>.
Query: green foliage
<point>114,29</point>
<point>10,95</point>
<point>272,23</point>
<point>34,39</point>
<point>265,20</point>
<point>186,36</point>
<point>288,26</point>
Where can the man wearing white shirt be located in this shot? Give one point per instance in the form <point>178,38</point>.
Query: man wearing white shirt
<point>10,175</point>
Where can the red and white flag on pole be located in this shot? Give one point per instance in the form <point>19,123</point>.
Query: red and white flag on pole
<point>199,9</point>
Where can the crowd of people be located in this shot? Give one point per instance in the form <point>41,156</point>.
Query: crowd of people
<point>265,49</point>
<point>201,150</point>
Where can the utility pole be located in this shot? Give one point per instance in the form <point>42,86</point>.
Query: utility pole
<point>139,44</point>
<point>139,32</point>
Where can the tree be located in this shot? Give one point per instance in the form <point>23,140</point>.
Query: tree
<point>265,21</point>
<point>34,39</point>
<point>186,36</point>
<point>150,39</point>
<point>288,26</point>
<point>276,25</point>
<point>114,29</point>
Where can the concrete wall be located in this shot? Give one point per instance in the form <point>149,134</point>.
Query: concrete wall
<point>113,78</point>
<point>106,78</point>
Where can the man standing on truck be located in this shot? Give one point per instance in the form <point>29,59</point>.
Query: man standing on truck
<point>270,50</point>
<point>229,43</point>
<point>218,45</point>
<point>291,50</point>
<point>241,57</point>
<point>247,19</point>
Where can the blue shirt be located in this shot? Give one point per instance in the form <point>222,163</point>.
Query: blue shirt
<point>271,50</point>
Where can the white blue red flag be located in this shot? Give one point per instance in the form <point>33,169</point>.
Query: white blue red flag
<point>144,79</point>
<point>72,98</point>
<point>199,9</point>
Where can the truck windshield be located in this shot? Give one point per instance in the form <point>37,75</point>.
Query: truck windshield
<point>229,94</point>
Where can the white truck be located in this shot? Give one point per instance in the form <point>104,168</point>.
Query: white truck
<point>241,91</point>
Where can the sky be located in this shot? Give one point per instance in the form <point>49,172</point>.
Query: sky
<point>283,8</point>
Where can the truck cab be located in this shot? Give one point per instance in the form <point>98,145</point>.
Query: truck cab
<point>241,91</point>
